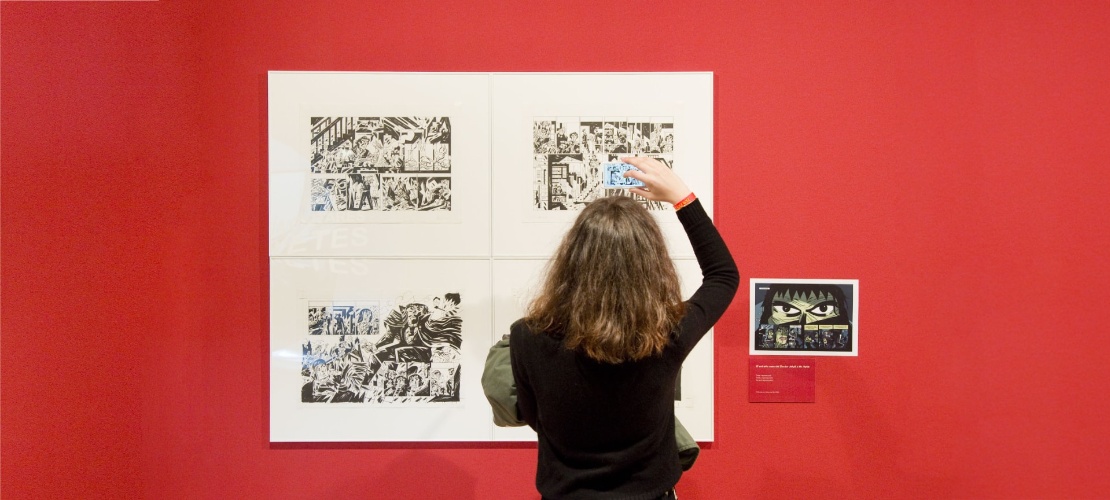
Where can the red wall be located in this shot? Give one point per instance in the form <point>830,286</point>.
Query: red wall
<point>953,156</point>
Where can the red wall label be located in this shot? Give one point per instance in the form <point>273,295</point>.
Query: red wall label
<point>776,379</point>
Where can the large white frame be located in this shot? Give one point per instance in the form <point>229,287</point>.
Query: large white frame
<point>491,244</point>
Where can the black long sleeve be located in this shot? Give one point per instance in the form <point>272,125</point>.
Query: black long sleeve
<point>607,430</point>
<point>720,278</point>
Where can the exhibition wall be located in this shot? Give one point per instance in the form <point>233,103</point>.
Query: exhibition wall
<point>951,156</point>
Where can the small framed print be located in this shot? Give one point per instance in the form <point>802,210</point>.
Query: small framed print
<point>812,317</point>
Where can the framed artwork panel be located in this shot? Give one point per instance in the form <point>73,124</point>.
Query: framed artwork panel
<point>378,350</point>
<point>804,317</point>
<point>552,131</point>
<point>379,164</point>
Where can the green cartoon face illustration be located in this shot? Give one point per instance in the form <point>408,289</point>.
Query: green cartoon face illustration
<point>805,308</point>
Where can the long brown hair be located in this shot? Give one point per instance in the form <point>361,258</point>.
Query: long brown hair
<point>611,289</point>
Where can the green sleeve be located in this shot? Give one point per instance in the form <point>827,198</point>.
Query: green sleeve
<point>499,387</point>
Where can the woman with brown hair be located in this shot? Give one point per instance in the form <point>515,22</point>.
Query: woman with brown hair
<point>596,357</point>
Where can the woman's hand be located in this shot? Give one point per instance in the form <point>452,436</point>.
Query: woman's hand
<point>660,182</point>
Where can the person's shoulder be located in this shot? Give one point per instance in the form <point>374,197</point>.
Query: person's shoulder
<point>520,328</point>
<point>521,339</point>
<point>523,336</point>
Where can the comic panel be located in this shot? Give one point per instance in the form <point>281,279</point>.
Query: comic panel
<point>350,155</point>
<point>568,176</point>
<point>343,318</point>
<point>352,193</point>
<point>329,194</point>
<point>543,137</point>
<point>440,140</point>
<point>415,193</point>
<point>608,136</point>
<point>568,140</point>
<point>434,193</point>
<point>364,192</point>
<point>439,144</point>
<point>661,137</point>
<point>621,144</point>
<point>409,354</point>
<point>590,131</point>
<point>571,182</point>
<point>636,137</point>
<point>817,317</point>
<point>540,192</point>
<point>332,144</point>
<point>336,370</point>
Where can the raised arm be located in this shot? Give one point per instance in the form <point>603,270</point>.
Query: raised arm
<point>720,278</point>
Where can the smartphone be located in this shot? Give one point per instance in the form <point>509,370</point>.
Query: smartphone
<point>612,175</point>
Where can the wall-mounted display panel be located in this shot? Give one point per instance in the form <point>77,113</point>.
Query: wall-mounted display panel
<point>379,164</point>
<point>552,132</point>
<point>378,349</point>
<point>810,317</point>
<point>399,202</point>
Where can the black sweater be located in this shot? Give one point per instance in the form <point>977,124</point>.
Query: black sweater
<point>607,430</point>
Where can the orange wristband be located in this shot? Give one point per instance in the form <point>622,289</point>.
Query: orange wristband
<point>685,201</point>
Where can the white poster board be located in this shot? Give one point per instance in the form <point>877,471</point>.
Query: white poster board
<point>406,230</point>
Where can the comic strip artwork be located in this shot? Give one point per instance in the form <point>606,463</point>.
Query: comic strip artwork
<point>805,316</point>
<point>410,353</point>
<point>390,163</point>
<point>336,318</point>
<point>567,153</point>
